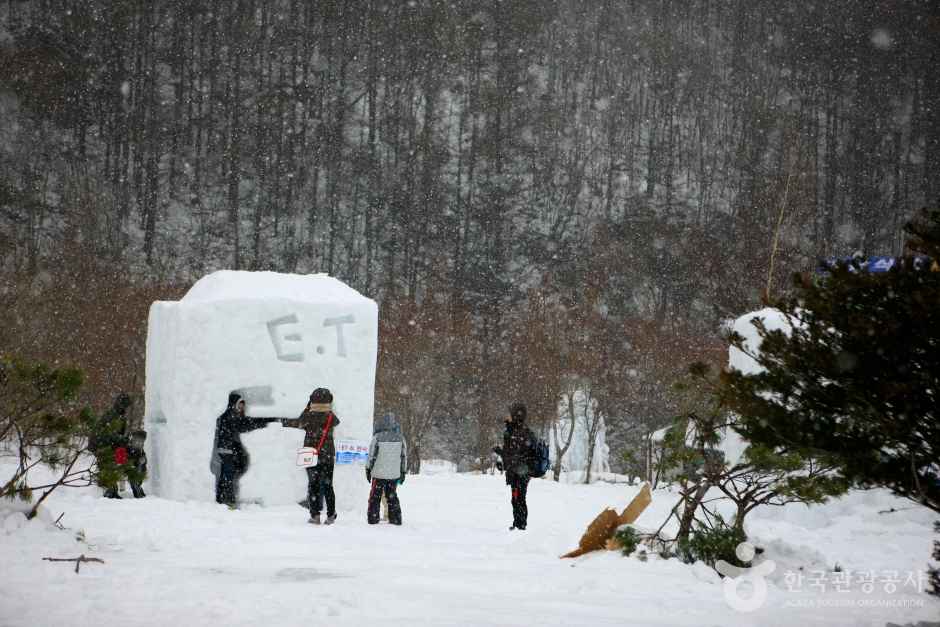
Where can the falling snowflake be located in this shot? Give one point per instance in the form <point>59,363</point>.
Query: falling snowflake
<point>882,39</point>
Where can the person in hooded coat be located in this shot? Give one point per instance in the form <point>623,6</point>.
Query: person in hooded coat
<point>136,467</point>
<point>385,470</point>
<point>318,422</point>
<point>516,454</point>
<point>231,455</point>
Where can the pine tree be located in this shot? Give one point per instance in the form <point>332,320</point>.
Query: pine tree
<point>42,425</point>
<point>858,375</point>
<point>695,449</point>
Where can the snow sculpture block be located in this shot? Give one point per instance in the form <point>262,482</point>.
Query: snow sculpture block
<point>274,338</point>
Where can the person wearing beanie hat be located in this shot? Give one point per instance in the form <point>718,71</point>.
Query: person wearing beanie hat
<point>321,399</point>
<point>516,454</point>
<point>318,422</point>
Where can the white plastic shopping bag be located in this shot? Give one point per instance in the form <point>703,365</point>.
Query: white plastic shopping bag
<point>306,457</point>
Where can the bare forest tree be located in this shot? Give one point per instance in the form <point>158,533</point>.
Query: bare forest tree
<point>558,438</point>
<point>545,173</point>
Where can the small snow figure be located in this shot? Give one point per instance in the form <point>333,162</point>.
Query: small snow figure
<point>318,421</point>
<point>231,456</point>
<point>517,453</point>
<point>385,470</point>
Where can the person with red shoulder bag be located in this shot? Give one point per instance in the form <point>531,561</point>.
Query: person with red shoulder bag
<point>318,422</point>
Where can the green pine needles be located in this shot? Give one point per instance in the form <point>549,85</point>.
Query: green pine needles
<point>42,424</point>
<point>710,544</point>
<point>628,539</point>
<point>857,379</point>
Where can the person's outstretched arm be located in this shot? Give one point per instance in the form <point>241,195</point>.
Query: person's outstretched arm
<point>258,422</point>
<point>370,463</point>
<point>294,423</point>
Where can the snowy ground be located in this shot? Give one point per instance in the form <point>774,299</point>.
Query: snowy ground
<point>454,562</point>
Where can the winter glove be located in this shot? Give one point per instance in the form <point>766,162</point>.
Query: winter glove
<point>401,479</point>
<point>368,475</point>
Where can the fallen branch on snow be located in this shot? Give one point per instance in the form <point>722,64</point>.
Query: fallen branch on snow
<point>893,509</point>
<point>78,560</point>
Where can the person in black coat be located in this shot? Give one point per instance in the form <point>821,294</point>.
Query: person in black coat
<point>516,454</point>
<point>232,457</point>
<point>136,467</point>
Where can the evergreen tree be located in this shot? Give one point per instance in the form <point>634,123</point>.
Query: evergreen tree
<point>42,425</point>
<point>858,374</point>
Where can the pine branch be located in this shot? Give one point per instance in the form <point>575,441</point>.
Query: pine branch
<point>68,469</point>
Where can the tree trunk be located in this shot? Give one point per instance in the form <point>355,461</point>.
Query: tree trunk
<point>593,427</point>
<point>234,169</point>
<point>559,451</point>
<point>739,515</point>
<point>691,506</point>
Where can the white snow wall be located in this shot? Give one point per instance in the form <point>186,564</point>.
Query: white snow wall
<point>274,338</point>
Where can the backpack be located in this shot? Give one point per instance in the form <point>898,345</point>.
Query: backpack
<point>541,460</point>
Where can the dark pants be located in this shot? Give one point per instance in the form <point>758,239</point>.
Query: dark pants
<point>520,511</point>
<point>137,489</point>
<point>226,481</point>
<point>320,486</point>
<point>137,473</point>
<point>390,488</point>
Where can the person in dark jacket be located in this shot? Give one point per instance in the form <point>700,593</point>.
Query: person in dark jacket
<point>516,454</point>
<point>231,454</point>
<point>108,442</point>
<point>318,422</point>
<point>385,469</point>
<point>136,468</point>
